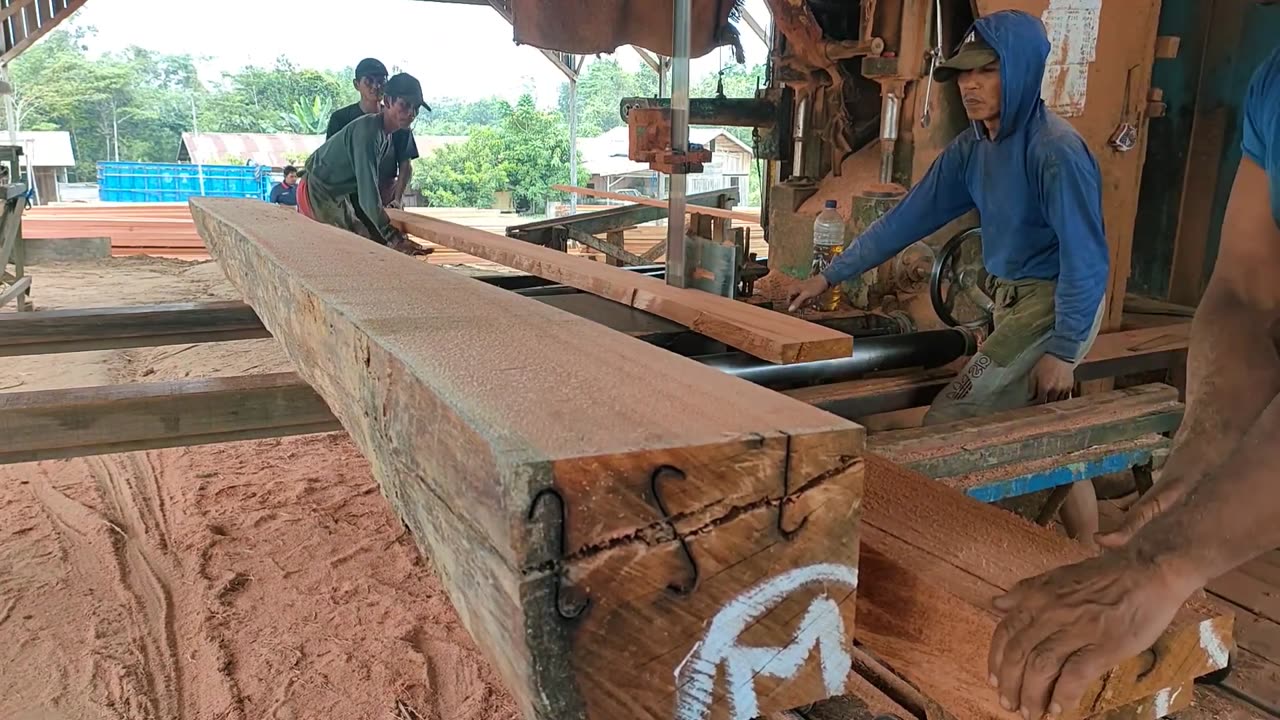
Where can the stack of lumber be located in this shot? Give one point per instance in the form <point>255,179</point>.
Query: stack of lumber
<point>163,229</point>
<point>166,229</point>
<point>679,567</point>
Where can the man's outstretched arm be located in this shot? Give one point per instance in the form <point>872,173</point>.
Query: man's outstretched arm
<point>1233,369</point>
<point>1063,629</point>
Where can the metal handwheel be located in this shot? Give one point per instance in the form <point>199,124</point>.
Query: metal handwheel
<point>958,285</point>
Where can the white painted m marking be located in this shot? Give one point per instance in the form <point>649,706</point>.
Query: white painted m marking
<point>821,627</point>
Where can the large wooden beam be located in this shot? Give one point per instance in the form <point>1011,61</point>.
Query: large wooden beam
<point>932,560</point>
<point>619,548</point>
<point>768,335</point>
<point>50,424</point>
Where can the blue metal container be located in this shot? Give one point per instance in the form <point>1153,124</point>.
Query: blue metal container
<point>136,182</point>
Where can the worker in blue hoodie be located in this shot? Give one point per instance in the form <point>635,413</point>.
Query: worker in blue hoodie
<point>1038,193</point>
<point>1215,505</point>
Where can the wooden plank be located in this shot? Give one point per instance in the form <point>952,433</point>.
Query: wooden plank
<point>614,251</point>
<point>1157,707</point>
<point>34,34</point>
<point>16,291</point>
<point>1167,46</point>
<point>492,426</point>
<point>1216,703</point>
<point>655,252</point>
<point>931,562</point>
<point>89,421</point>
<point>1212,125</point>
<point>56,331</point>
<point>604,194</point>
<point>991,483</point>
<point>1032,433</point>
<point>1250,593</point>
<point>768,335</point>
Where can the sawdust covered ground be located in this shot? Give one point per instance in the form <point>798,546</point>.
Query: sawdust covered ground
<point>258,580</point>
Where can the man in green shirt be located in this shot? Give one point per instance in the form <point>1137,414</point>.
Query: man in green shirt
<point>347,164</point>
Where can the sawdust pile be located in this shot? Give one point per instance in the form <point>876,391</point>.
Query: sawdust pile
<point>253,580</point>
<point>774,286</point>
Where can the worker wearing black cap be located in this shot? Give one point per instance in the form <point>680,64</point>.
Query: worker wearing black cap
<point>347,166</point>
<point>394,176</point>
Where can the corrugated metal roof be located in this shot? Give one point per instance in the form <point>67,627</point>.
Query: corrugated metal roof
<point>45,148</point>
<point>274,150</point>
<point>269,150</point>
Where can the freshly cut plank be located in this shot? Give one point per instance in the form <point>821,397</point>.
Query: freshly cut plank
<point>711,211</point>
<point>768,335</point>
<point>619,548</point>
<point>932,560</point>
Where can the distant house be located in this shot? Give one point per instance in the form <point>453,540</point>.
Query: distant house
<point>273,151</point>
<point>605,157</point>
<point>46,155</point>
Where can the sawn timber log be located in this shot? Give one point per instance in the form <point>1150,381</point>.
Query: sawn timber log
<point>619,547</point>
<point>933,559</point>
<point>761,332</point>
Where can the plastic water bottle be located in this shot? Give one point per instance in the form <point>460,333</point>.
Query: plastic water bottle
<point>828,242</point>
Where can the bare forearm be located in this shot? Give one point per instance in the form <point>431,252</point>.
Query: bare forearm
<point>1230,516</point>
<point>1233,372</point>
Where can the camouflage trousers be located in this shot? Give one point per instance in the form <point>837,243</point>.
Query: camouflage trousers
<point>998,377</point>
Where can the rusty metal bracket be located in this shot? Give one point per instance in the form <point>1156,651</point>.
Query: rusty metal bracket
<point>786,493</point>
<point>568,608</point>
<point>674,473</point>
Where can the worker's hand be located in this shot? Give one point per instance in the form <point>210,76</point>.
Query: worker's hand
<point>1064,629</point>
<point>806,292</point>
<point>1176,480</point>
<point>1052,379</point>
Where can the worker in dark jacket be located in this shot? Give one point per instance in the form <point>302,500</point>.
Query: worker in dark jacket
<point>1216,504</point>
<point>1038,192</point>
<point>286,191</point>
<point>394,176</point>
<point>347,165</point>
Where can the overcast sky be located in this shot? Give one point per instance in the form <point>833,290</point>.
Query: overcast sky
<point>457,51</point>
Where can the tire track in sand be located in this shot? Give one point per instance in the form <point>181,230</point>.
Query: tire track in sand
<point>147,570</point>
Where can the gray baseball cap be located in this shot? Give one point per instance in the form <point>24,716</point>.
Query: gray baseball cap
<point>973,54</point>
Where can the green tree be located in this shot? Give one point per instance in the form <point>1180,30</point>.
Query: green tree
<point>601,88</point>
<point>526,154</point>
<point>456,117</point>
<point>264,99</point>
<point>121,105</point>
<point>463,175</point>
<point>310,118</point>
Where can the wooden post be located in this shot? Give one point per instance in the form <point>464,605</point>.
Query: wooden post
<point>618,239</point>
<point>619,548</point>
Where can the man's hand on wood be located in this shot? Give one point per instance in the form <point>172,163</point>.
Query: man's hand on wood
<point>1175,482</point>
<point>1065,628</point>
<point>1052,379</point>
<point>806,292</point>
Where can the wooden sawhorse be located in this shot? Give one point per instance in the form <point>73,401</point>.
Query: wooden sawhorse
<point>15,285</point>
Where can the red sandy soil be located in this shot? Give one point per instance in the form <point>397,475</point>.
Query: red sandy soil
<point>256,580</point>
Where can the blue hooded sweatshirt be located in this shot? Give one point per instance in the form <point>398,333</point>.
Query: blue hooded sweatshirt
<point>1036,187</point>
